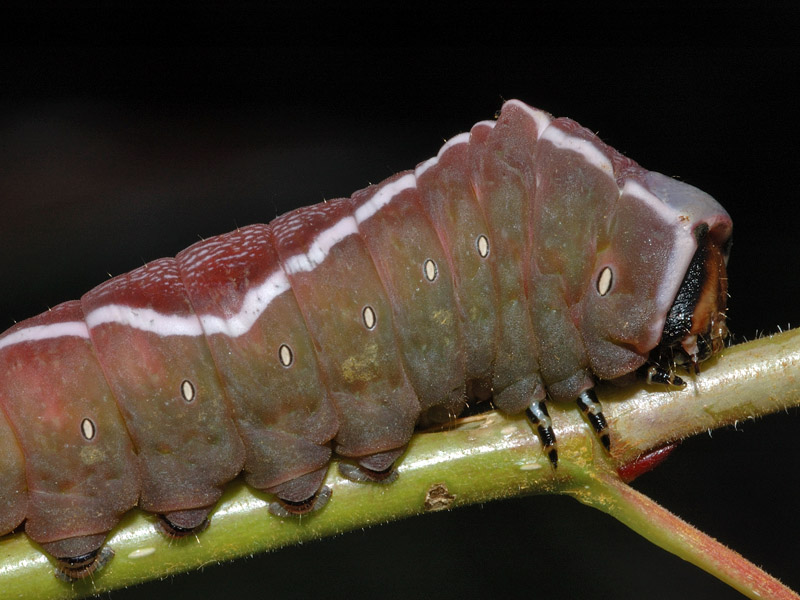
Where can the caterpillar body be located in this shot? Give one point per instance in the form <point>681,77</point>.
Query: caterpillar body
<point>524,262</point>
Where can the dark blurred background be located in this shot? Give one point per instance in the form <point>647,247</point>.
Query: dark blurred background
<point>111,157</point>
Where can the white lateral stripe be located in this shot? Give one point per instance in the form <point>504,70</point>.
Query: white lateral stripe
<point>461,138</point>
<point>539,116</point>
<point>321,246</point>
<point>255,301</point>
<point>583,147</point>
<point>422,167</point>
<point>145,319</point>
<point>382,197</point>
<point>46,332</point>
<point>258,299</point>
<point>668,214</point>
<point>682,251</point>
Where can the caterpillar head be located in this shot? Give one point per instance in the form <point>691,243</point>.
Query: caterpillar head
<point>660,283</point>
<point>694,328</point>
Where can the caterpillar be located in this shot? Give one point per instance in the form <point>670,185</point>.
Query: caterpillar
<point>523,263</point>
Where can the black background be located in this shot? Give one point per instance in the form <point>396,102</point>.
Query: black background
<point>112,156</point>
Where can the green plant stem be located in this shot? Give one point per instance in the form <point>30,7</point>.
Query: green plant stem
<point>745,381</point>
<point>485,457</point>
<point>652,521</point>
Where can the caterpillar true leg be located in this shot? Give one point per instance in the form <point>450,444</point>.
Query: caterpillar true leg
<point>658,374</point>
<point>590,407</point>
<point>537,413</point>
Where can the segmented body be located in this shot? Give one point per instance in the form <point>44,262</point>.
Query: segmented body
<point>528,258</point>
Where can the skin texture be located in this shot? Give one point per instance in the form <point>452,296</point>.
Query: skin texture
<point>285,437</point>
<point>365,323</point>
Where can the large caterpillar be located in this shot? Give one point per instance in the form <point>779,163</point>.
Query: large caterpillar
<point>527,259</point>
